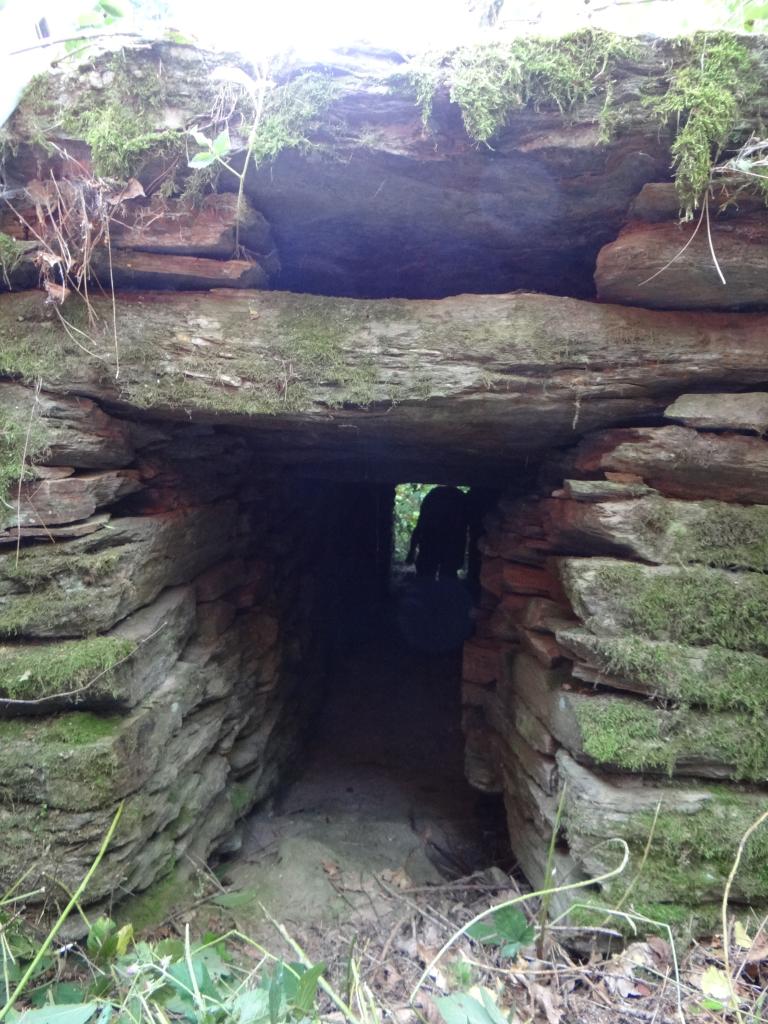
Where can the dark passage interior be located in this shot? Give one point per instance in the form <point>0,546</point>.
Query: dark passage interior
<point>380,785</point>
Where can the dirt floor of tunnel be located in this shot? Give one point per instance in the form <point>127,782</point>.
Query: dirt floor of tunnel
<point>381,802</point>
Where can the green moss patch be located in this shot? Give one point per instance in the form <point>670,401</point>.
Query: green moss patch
<point>489,81</point>
<point>637,736</point>
<point>33,671</point>
<point>11,253</point>
<point>710,532</point>
<point>711,677</point>
<point>75,729</point>
<point>693,606</point>
<point>22,442</point>
<point>714,79</point>
<point>686,920</point>
<point>693,845</point>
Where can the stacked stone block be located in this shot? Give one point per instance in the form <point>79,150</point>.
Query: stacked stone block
<point>162,643</point>
<point>621,661</point>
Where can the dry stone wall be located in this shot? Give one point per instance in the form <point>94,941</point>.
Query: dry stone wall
<point>164,615</point>
<point>621,662</point>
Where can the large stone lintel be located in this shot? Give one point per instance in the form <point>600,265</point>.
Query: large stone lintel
<point>497,376</point>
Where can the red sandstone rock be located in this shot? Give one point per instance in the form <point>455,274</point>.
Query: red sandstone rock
<point>626,268</point>
<point>681,462</point>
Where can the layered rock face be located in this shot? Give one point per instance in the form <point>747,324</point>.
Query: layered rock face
<point>621,665</point>
<point>165,616</point>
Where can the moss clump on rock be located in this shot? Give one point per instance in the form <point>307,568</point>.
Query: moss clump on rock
<point>693,837</point>
<point>706,841</point>
<point>22,442</point>
<point>708,88</point>
<point>489,81</point>
<point>711,677</point>
<point>74,729</point>
<point>724,536</point>
<point>11,253</point>
<point>695,606</point>
<point>637,736</point>
<point>34,671</point>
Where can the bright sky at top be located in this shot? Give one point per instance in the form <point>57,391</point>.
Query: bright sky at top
<point>307,26</point>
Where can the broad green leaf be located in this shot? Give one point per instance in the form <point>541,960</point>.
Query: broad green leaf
<point>102,930</point>
<point>221,144</point>
<point>512,925</point>
<point>111,8</point>
<point>250,1007</point>
<point>201,160</point>
<point>485,933</point>
<point>716,984</point>
<point>462,1008</point>
<point>174,948</point>
<point>740,936</point>
<point>123,939</point>
<point>180,978</point>
<point>77,1013</point>
<point>233,900</point>
<point>63,993</point>
<point>304,1000</point>
<point>491,1006</point>
<point>277,998</point>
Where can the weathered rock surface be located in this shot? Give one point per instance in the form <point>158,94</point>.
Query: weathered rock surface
<point>182,228</point>
<point>683,463</point>
<point>695,836</point>
<point>658,529</point>
<point>623,734</point>
<point>747,411</point>
<point>382,207</point>
<point>69,430</point>
<point>711,676</point>
<point>693,606</point>
<point>179,273</point>
<point>86,585</point>
<point>466,371</point>
<point>641,269</point>
<point>52,502</point>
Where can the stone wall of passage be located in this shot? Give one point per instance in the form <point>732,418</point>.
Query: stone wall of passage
<point>620,664</point>
<point>165,616</point>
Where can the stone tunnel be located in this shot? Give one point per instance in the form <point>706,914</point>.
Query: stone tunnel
<point>211,452</point>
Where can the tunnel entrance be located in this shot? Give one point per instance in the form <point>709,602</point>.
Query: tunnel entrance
<point>175,597</point>
<point>380,790</point>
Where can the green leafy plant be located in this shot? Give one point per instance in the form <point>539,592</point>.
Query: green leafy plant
<point>508,929</point>
<point>475,1007</point>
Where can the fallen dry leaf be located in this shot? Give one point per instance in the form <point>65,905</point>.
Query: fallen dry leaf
<point>57,293</point>
<point>660,950</point>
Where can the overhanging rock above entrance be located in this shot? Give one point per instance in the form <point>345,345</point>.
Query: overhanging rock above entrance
<point>401,386</point>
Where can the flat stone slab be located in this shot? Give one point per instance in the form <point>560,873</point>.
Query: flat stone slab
<point>746,411</point>
<point>627,734</point>
<point>645,265</point>
<point>693,840</point>
<point>85,586</point>
<point>681,462</point>
<point>70,431</point>
<point>662,530</point>
<point>117,669</point>
<point>70,499</point>
<point>694,605</point>
<point>712,676</point>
